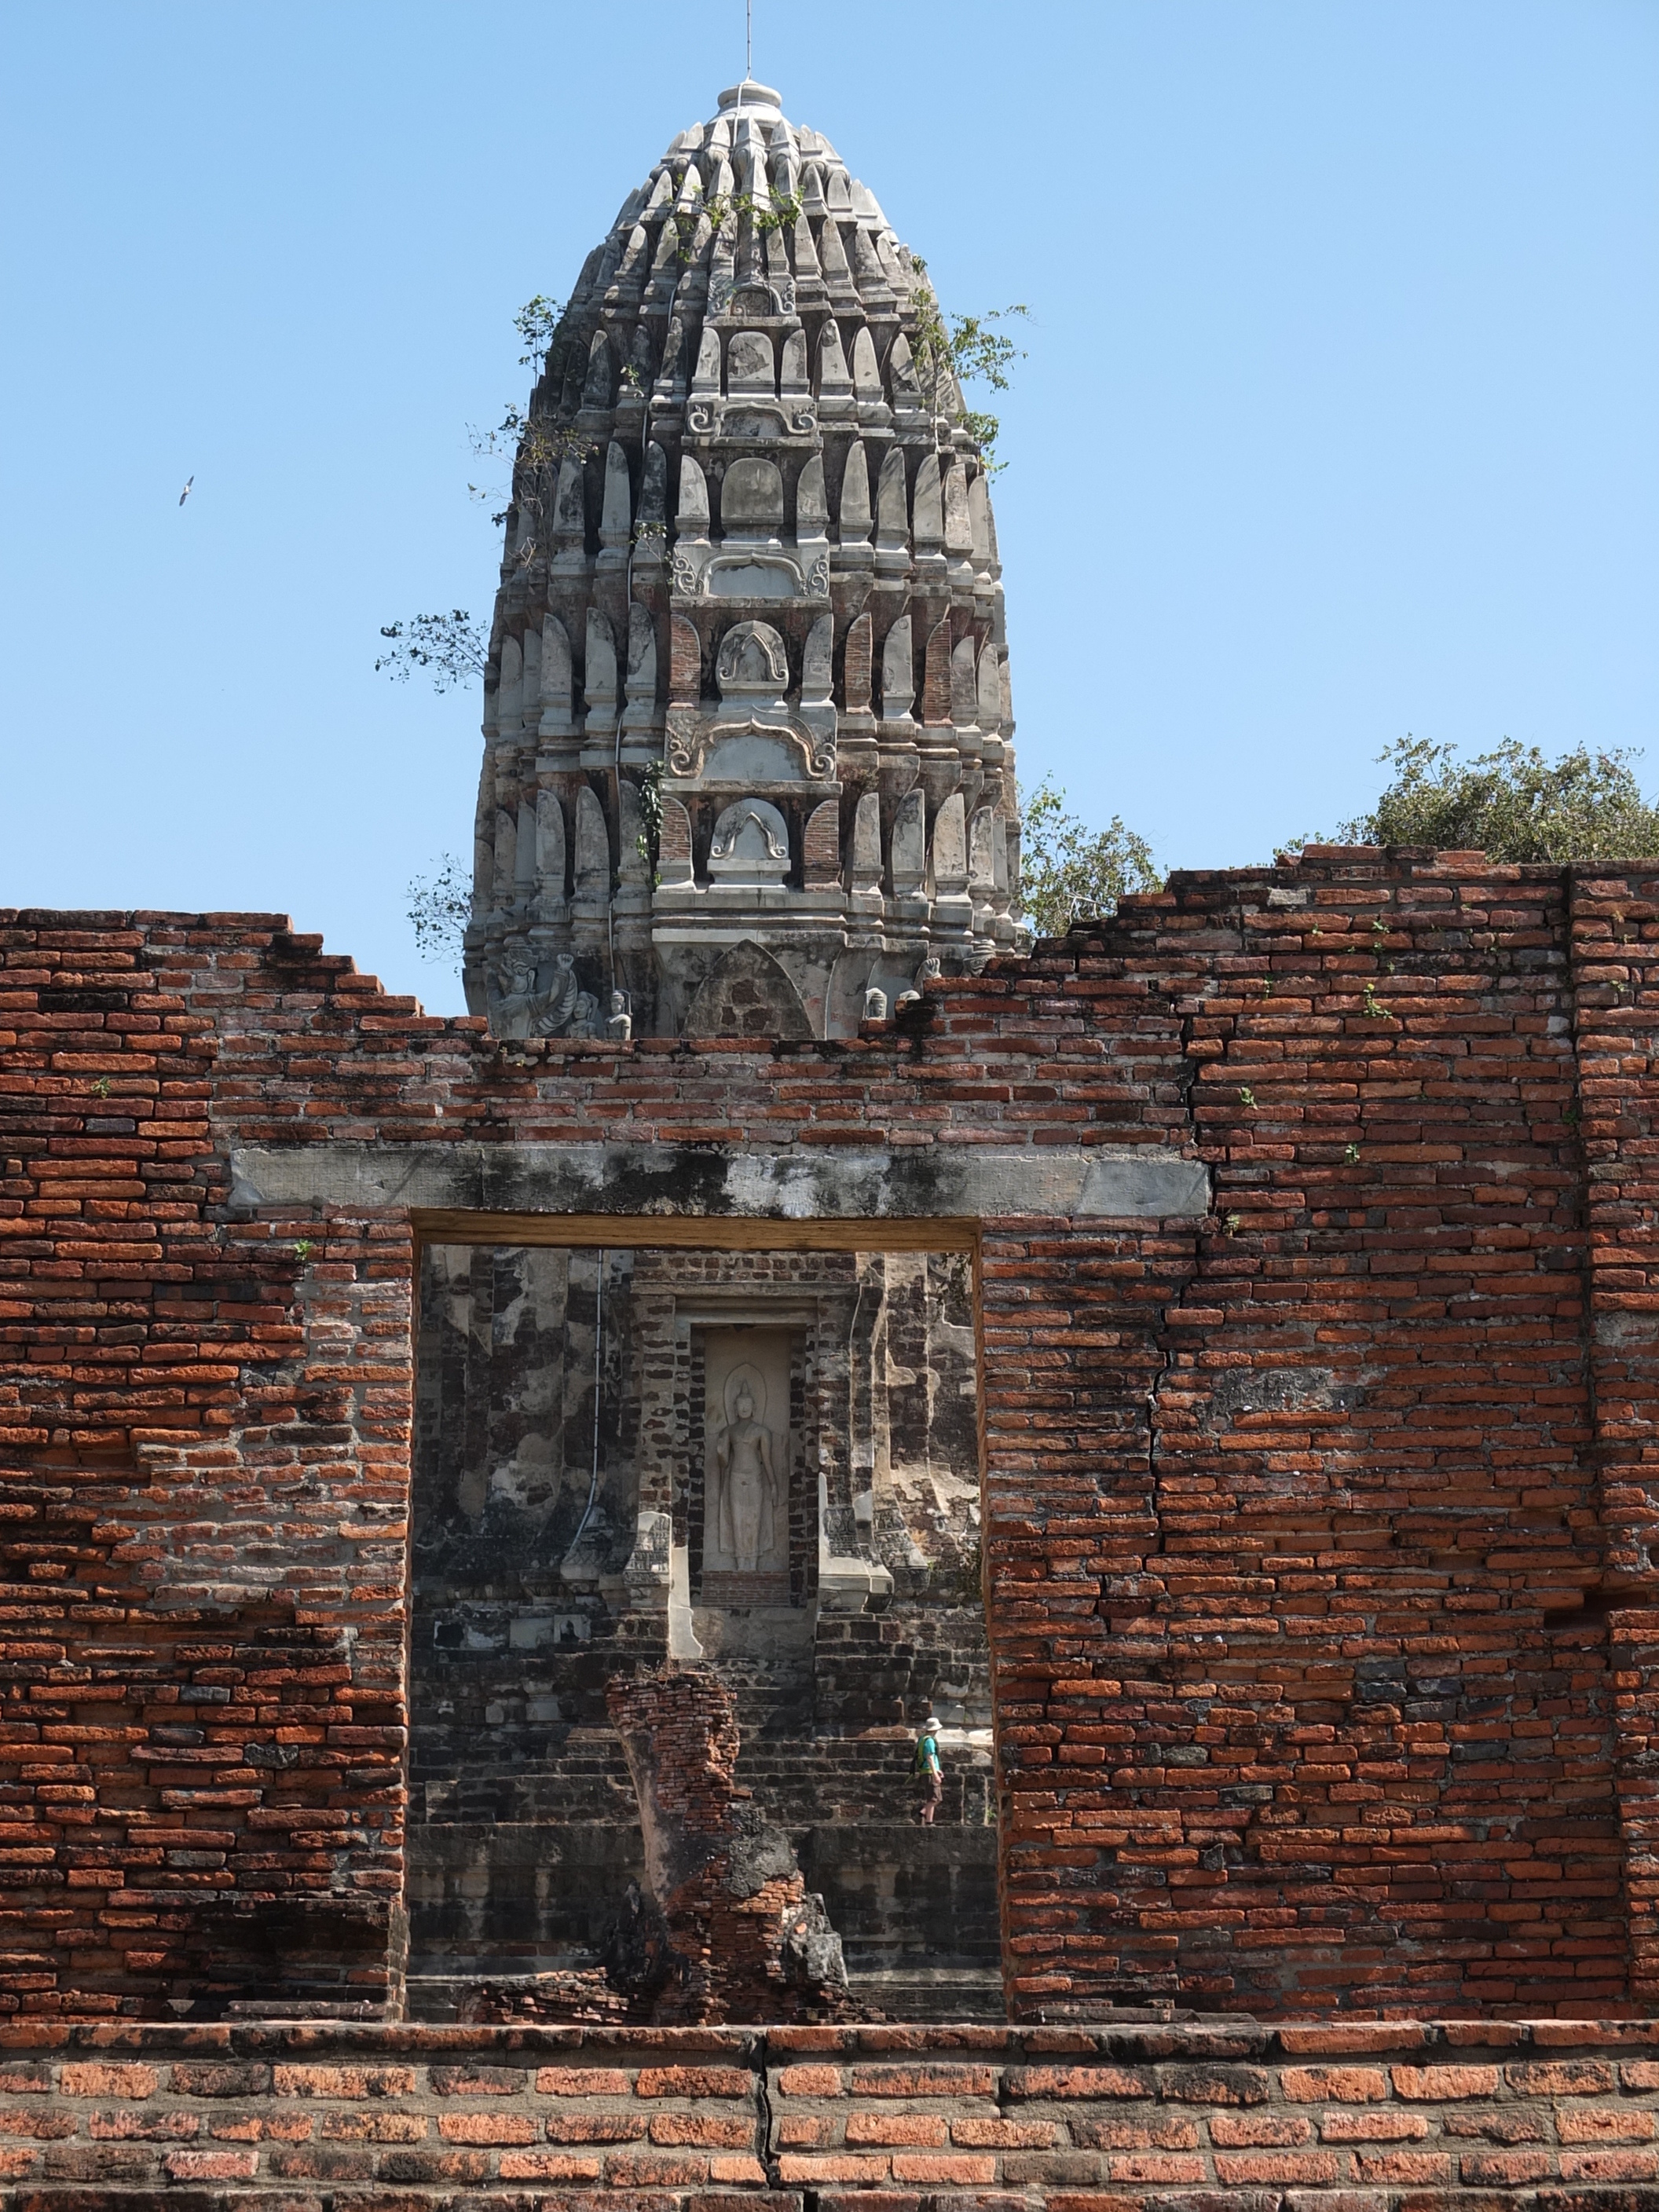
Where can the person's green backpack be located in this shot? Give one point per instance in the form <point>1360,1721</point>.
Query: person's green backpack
<point>924,1745</point>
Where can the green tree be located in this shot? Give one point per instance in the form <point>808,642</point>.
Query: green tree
<point>1068,871</point>
<point>966,350</point>
<point>1511,802</point>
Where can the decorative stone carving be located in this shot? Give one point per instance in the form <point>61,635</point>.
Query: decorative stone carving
<point>550,852</point>
<point>751,500</point>
<point>816,678</point>
<point>750,363</point>
<point>558,683</point>
<point>592,852</point>
<point>898,678</point>
<point>600,675</point>
<point>867,855</point>
<point>509,689</point>
<point>750,844</point>
<point>519,1009</point>
<point>641,711</point>
<point>927,509</point>
<point>752,667</point>
<point>909,846</point>
<point>719,490</point>
<point>855,515</point>
<point>616,513</point>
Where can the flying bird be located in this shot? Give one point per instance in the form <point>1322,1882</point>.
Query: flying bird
<point>184,494</point>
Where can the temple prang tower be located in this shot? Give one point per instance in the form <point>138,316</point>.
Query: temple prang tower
<point>747,730</point>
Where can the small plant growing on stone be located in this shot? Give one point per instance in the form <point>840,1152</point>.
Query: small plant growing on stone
<point>1350,1153</point>
<point>1247,1097</point>
<point>100,1089</point>
<point>303,1248</point>
<point>1373,1006</point>
<point>1235,1222</point>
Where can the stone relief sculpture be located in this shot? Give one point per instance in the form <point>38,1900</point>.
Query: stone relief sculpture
<point>747,1508</point>
<point>518,1009</point>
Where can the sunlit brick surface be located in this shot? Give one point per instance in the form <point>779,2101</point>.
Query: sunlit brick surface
<point>1289,1511</point>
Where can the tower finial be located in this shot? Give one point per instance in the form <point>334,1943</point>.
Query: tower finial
<point>747,39</point>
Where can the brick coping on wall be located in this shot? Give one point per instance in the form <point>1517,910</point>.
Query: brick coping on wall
<point>1208,2115</point>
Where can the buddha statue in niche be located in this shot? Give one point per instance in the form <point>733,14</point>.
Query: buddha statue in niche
<point>747,1505</point>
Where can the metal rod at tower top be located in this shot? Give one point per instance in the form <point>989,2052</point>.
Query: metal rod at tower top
<point>748,38</point>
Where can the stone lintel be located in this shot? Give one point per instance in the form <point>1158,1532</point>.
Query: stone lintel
<point>856,1182</point>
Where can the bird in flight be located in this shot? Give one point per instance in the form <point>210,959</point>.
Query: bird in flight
<point>184,494</point>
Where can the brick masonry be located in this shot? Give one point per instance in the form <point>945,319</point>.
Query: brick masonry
<point>1205,2117</point>
<point>1291,1513</point>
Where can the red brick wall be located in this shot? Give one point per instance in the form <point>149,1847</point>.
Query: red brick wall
<point>1288,1513</point>
<point>1215,2118</point>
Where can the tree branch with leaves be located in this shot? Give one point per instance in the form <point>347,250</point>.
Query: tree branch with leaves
<point>1069,872</point>
<point>965,350</point>
<point>1512,803</point>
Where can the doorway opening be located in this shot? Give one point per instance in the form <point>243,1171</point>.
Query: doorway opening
<point>761,1460</point>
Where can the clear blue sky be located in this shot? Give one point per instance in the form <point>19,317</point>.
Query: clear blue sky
<point>1339,419</point>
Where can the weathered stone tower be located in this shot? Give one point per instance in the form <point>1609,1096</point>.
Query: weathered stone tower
<point>747,727</point>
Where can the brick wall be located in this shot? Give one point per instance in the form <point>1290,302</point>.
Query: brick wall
<point>1207,2116</point>
<point>1290,1513</point>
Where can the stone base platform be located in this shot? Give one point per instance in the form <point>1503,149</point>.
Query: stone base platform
<point>1206,2115</point>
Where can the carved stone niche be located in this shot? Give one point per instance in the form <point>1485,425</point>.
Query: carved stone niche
<point>752,670</point>
<point>749,846</point>
<point>745,1537</point>
<point>754,738</point>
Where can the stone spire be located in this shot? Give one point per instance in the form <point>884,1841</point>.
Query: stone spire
<point>747,728</point>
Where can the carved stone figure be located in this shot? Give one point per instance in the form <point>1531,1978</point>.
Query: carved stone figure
<point>620,1026</point>
<point>518,1009</point>
<point>748,1480</point>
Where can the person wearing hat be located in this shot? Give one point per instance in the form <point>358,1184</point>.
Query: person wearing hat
<point>926,1765</point>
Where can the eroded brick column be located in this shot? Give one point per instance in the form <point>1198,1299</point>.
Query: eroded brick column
<point>746,1941</point>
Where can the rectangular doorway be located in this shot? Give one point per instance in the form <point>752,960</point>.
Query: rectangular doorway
<point>765,1458</point>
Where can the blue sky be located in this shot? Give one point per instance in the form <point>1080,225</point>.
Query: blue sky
<point>1338,420</point>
